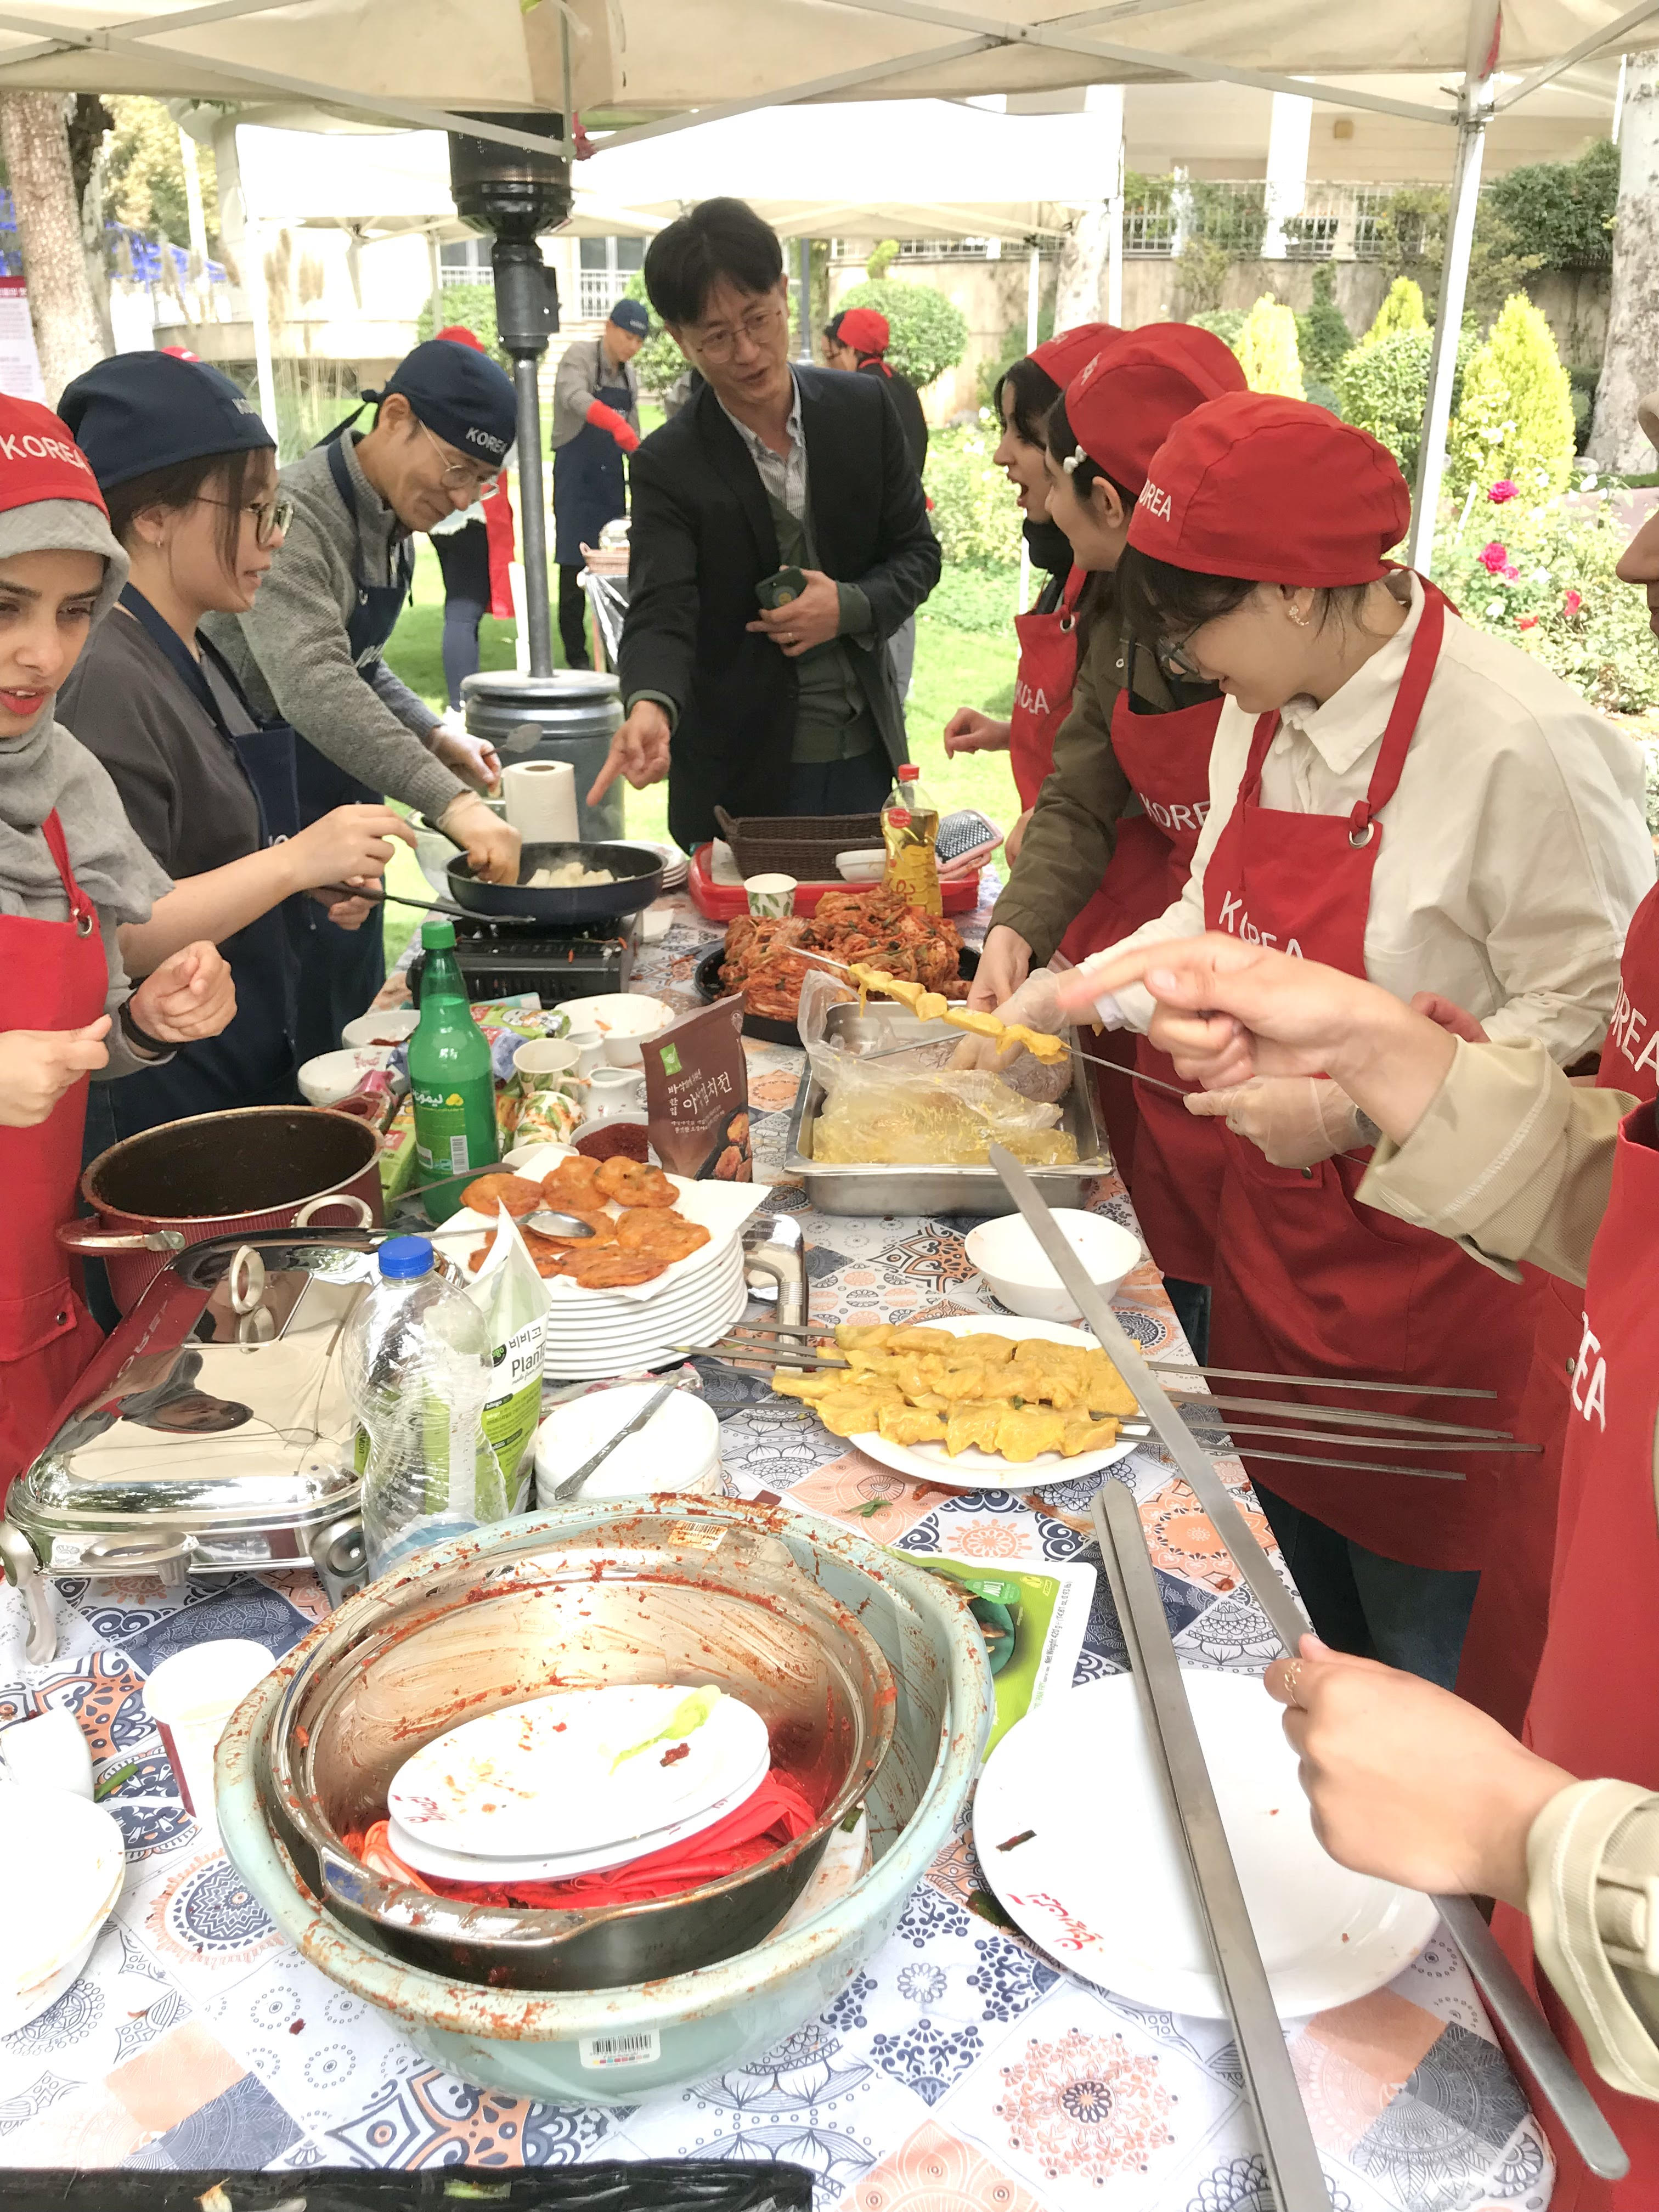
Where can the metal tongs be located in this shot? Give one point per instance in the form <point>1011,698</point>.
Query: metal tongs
<point>1509,2002</point>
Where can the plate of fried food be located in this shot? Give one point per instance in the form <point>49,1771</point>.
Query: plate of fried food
<point>1008,1407</point>
<point>653,1232</point>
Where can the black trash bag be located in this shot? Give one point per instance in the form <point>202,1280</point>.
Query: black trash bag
<point>650,2185</point>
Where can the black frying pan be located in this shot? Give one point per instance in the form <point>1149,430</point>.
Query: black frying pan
<point>637,868</point>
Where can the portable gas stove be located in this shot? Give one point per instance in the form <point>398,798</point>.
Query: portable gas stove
<point>499,962</point>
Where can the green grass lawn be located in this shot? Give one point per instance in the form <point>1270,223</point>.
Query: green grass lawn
<point>954,668</point>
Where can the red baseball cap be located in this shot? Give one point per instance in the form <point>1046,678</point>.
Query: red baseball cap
<point>1273,491</point>
<point>459,334</point>
<point>1126,401</point>
<point>863,330</point>
<point>40,460</point>
<point>1062,356</point>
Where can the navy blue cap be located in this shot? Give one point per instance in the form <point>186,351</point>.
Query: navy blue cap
<point>630,315</point>
<point>404,1258</point>
<point>462,396</point>
<point>140,411</point>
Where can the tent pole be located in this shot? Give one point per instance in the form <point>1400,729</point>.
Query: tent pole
<point>1474,107</point>
<point>243,235</point>
<point>1114,232</point>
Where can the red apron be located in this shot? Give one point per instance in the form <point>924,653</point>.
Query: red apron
<point>55,977</point>
<point>1042,688</point>
<point>1307,1280</point>
<point>1511,1607</point>
<point>498,537</point>
<point>1177,1158</point>
<point>1593,1709</point>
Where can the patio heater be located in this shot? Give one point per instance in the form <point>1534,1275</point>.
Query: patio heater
<point>513,195</point>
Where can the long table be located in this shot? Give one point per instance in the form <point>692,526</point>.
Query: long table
<point>961,2069</point>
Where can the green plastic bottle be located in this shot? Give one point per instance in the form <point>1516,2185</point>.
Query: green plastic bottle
<point>450,1077</point>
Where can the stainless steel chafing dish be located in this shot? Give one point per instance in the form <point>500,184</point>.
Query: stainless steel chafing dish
<point>211,1435</point>
<point>856,1188</point>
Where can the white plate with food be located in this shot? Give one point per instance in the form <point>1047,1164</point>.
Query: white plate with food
<point>578,1770</point>
<point>428,1857</point>
<point>1073,1831</point>
<point>577,1321</point>
<point>973,1468</point>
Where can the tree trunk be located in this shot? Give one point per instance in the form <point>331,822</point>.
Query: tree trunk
<point>35,143</point>
<point>1628,369</point>
<point>1078,286</point>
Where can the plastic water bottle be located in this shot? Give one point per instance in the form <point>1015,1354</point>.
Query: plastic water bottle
<point>418,1368</point>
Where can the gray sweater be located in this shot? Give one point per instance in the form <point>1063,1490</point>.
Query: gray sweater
<point>291,651</point>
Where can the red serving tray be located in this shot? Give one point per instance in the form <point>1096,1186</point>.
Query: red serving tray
<point>721,902</point>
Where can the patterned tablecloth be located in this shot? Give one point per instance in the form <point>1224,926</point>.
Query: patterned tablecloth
<point>961,2070</point>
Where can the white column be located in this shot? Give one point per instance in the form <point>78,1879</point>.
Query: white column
<point>1287,168</point>
<point>244,236</point>
<point>1105,103</point>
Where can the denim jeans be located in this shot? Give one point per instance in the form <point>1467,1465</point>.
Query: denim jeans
<point>1414,1617</point>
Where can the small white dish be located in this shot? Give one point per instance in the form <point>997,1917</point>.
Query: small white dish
<point>1062,1841</point>
<point>978,1470</point>
<point>1009,1257</point>
<point>575,1772</point>
<point>679,1448</point>
<point>865,866</point>
<point>397,1024</point>
<point>624,1020</point>
<point>49,1752</point>
<point>332,1075</point>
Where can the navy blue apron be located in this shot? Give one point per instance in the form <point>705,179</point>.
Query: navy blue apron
<point>253,1061</point>
<point>589,486</point>
<point>344,968</point>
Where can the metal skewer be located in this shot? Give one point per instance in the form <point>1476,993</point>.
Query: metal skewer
<point>1294,2174</point>
<point>1511,2006</point>
<point>1183,1367</point>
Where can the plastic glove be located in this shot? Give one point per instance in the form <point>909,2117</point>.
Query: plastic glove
<point>1035,1003</point>
<point>1297,1121</point>
<point>606,418</point>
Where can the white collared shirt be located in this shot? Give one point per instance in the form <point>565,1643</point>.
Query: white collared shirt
<point>784,475</point>
<point>1514,851</point>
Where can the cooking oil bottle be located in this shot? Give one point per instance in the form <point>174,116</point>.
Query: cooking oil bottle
<point>910,830</point>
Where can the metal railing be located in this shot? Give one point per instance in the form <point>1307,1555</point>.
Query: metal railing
<point>598,291</point>
<point>1336,221</point>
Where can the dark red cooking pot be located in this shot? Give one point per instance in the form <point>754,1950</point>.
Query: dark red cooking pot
<point>216,1174</point>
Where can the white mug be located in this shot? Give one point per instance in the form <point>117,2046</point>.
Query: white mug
<point>771,899</point>
<point>190,1697</point>
<point>547,1064</point>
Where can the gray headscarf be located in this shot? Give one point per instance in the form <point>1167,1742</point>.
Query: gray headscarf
<point>46,768</point>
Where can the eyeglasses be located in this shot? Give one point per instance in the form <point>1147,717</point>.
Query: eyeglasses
<point>721,343</point>
<point>1176,660</point>
<point>270,516</point>
<point>458,473</point>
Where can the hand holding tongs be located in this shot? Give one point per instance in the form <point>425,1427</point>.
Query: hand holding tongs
<point>1510,2003</point>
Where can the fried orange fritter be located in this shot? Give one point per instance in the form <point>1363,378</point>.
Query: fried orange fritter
<point>611,1268</point>
<point>630,1183</point>
<point>570,1187</point>
<point>516,1192</point>
<point>650,1228</point>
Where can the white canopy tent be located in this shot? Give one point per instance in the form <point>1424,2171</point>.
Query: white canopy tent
<point>655,66</point>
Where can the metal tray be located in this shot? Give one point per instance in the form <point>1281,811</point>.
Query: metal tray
<point>880,1189</point>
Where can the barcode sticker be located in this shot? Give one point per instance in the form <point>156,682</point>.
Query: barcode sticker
<point>636,2047</point>
<point>458,1158</point>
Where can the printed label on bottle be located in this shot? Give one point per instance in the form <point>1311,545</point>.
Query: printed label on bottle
<point>440,1137</point>
<point>633,2046</point>
<point>511,1415</point>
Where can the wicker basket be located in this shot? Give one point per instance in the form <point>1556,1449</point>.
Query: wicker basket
<point>803,846</point>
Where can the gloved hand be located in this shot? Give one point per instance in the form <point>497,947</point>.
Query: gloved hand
<point>606,418</point>
<point>1036,1005</point>
<point>1297,1121</point>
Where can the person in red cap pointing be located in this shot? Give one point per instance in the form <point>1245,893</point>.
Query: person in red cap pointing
<point>1116,822</point>
<point>1416,802</point>
<point>74,883</point>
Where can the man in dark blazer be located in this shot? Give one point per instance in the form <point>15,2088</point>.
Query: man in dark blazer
<point>770,464</point>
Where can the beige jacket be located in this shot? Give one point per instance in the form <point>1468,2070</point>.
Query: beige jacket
<point>1516,1163</point>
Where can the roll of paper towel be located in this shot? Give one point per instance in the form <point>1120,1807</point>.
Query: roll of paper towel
<point>541,801</point>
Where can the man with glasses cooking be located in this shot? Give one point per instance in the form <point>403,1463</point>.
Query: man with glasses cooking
<point>780,538</point>
<point>310,651</point>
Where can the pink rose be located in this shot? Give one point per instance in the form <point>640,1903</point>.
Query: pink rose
<point>1526,622</point>
<point>1493,557</point>
<point>1511,572</point>
<point>1571,604</point>
<point>1501,491</point>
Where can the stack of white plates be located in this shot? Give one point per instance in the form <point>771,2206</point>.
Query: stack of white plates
<point>600,1335</point>
<point>579,1782</point>
<point>675,864</point>
<point>61,1863</point>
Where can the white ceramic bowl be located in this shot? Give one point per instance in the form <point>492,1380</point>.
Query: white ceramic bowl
<point>399,1022</point>
<point>63,1861</point>
<point>1007,1254</point>
<point>679,1448</point>
<point>863,866</point>
<point>623,1018</point>
<point>327,1080</point>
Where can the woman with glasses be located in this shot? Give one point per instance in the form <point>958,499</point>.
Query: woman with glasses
<point>1416,802</point>
<point>189,473</point>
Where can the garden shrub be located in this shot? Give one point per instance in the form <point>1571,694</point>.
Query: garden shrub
<point>658,362</point>
<point>929,333</point>
<point>974,518</point>
<point>1383,386</point>
<point>1401,310</point>
<point>472,305</point>
<point>1266,349</point>
<point>1322,336</point>
<point>1514,420</point>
